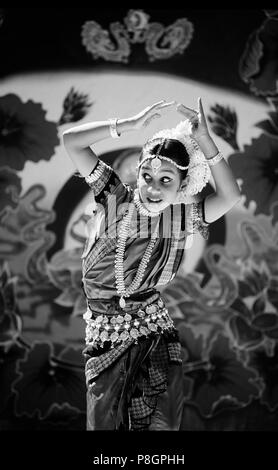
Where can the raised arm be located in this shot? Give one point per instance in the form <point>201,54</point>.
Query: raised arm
<point>79,139</point>
<point>227,192</point>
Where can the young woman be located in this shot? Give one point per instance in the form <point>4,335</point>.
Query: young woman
<point>133,353</point>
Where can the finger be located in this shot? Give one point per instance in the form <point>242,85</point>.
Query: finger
<point>148,120</point>
<point>155,105</point>
<point>167,104</point>
<point>183,107</point>
<point>162,106</point>
<point>191,113</point>
<point>188,114</point>
<point>201,109</point>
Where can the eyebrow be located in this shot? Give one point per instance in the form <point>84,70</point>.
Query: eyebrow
<point>148,168</point>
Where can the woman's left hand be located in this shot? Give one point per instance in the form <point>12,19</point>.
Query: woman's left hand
<point>197,118</point>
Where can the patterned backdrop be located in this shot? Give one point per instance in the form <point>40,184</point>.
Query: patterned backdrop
<point>99,64</point>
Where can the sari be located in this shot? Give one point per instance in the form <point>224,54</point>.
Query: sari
<point>129,375</point>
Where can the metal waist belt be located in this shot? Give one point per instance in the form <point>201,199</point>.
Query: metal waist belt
<point>119,328</point>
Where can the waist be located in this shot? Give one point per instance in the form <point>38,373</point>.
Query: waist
<point>133,302</point>
<point>118,328</point>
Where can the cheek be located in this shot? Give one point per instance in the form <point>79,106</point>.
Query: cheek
<point>172,188</point>
<point>141,185</point>
<point>141,182</point>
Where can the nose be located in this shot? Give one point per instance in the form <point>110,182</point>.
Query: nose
<point>154,194</point>
<point>154,190</point>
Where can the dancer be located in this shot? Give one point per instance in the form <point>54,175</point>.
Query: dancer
<point>136,240</point>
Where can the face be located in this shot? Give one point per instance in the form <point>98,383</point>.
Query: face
<point>158,190</point>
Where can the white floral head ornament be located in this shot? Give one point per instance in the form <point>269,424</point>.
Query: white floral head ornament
<point>198,173</point>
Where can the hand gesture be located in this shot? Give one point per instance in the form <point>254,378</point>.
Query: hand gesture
<point>145,117</point>
<point>199,127</point>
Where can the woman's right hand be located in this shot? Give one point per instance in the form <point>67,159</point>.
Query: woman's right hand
<point>145,117</point>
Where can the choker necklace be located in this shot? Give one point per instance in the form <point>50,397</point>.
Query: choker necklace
<point>141,209</point>
<point>119,258</point>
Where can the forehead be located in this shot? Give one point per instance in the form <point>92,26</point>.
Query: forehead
<point>165,167</point>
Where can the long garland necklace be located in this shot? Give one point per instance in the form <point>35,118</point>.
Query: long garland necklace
<point>119,258</point>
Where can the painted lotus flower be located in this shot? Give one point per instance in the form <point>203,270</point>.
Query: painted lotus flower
<point>258,64</point>
<point>257,166</point>
<point>25,134</point>
<point>218,375</point>
<point>75,107</point>
<point>44,381</point>
<point>256,318</point>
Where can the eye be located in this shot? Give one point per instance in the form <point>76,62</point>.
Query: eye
<point>166,177</point>
<point>148,178</point>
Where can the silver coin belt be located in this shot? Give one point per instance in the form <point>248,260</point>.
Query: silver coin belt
<point>119,328</point>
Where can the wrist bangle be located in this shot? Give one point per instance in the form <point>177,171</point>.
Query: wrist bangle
<point>212,161</point>
<point>113,128</point>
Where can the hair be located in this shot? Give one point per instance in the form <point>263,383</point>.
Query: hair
<point>173,149</point>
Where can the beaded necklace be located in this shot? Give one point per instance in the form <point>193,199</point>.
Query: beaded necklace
<point>139,206</point>
<point>120,250</point>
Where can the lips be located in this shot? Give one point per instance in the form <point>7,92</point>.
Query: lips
<point>154,201</point>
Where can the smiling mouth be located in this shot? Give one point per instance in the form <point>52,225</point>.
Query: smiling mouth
<point>154,201</point>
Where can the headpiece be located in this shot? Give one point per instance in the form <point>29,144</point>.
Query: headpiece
<point>198,173</point>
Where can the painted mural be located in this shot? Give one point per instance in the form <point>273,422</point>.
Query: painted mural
<point>224,300</point>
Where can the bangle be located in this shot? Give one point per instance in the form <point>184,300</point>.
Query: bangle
<point>113,128</point>
<point>212,161</point>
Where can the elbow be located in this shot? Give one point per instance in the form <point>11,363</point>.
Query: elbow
<point>69,139</point>
<point>67,136</point>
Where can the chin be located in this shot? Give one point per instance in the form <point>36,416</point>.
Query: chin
<point>156,207</point>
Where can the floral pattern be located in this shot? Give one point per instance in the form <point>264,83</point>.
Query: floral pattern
<point>224,123</point>
<point>10,188</point>
<point>8,364</point>
<point>267,365</point>
<point>270,126</point>
<point>257,166</point>
<point>258,64</point>
<point>217,374</point>
<point>75,107</point>
<point>40,376</point>
<point>64,271</point>
<point>10,321</point>
<point>257,318</point>
<point>25,134</point>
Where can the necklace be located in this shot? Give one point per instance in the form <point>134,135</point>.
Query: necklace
<point>139,206</point>
<point>119,258</point>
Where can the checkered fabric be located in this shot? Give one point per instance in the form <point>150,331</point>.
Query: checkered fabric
<point>139,385</point>
<point>152,382</point>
